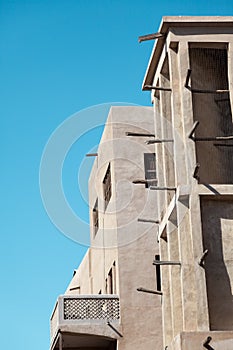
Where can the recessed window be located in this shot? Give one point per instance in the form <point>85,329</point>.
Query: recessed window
<point>110,282</point>
<point>95,216</point>
<point>150,169</point>
<point>212,109</point>
<point>107,186</point>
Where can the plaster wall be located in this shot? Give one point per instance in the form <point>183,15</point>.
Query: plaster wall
<point>195,301</point>
<point>140,312</point>
<point>187,299</point>
<point>81,283</point>
<point>121,241</point>
<point>195,340</point>
<point>217,229</point>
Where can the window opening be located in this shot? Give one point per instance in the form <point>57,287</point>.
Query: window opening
<point>107,185</point>
<point>212,111</point>
<point>150,169</point>
<point>106,286</point>
<point>110,282</point>
<point>95,215</point>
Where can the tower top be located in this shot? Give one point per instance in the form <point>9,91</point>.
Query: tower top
<point>196,24</point>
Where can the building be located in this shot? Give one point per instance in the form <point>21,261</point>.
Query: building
<point>161,192</point>
<point>190,75</point>
<point>102,308</point>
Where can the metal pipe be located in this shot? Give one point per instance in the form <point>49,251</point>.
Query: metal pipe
<point>150,291</point>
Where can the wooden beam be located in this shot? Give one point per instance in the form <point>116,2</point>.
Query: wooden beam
<point>157,88</point>
<point>150,291</point>
<point>91,154</point>
<point>138,134</point>
<point>150,37</point>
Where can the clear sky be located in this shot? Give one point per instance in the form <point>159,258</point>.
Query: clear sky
<point>57,58</point>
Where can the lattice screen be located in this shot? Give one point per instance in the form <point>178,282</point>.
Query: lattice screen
<point>213,111</point>
<point>91,309</point>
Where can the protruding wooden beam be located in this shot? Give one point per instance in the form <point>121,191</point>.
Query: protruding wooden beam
<point>157,88</point>
<point>159,262</point>
<point>157,188</point>
<point>150,142</point>
<point>138,134</point>
<point>196,172</point>
<point>148,220</point>
<point>75,288</point>
<point>114,329</point>
<point>91,154</point>
<point>195,125</point>
<point>150,37</point>
<point>206,343</point>
<point>216,138</point>
<point>189,71</point>
<point>143,182</point>
<point>202,258</point>
<point>150,291</point>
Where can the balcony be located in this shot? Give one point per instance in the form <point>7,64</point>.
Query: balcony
<point>85,321</point>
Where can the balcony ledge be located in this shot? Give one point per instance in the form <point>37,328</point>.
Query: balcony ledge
<point>84,318</point>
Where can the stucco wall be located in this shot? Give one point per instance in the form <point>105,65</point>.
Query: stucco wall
<point>122,240</point>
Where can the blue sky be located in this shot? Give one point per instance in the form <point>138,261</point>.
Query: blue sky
<point>57,58</point>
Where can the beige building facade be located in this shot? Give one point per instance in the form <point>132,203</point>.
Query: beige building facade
<point>190,75</point>
<point>102,307</point>
<point>159,271</point>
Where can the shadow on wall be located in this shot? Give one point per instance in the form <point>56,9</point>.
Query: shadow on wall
<point>217,231</point>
